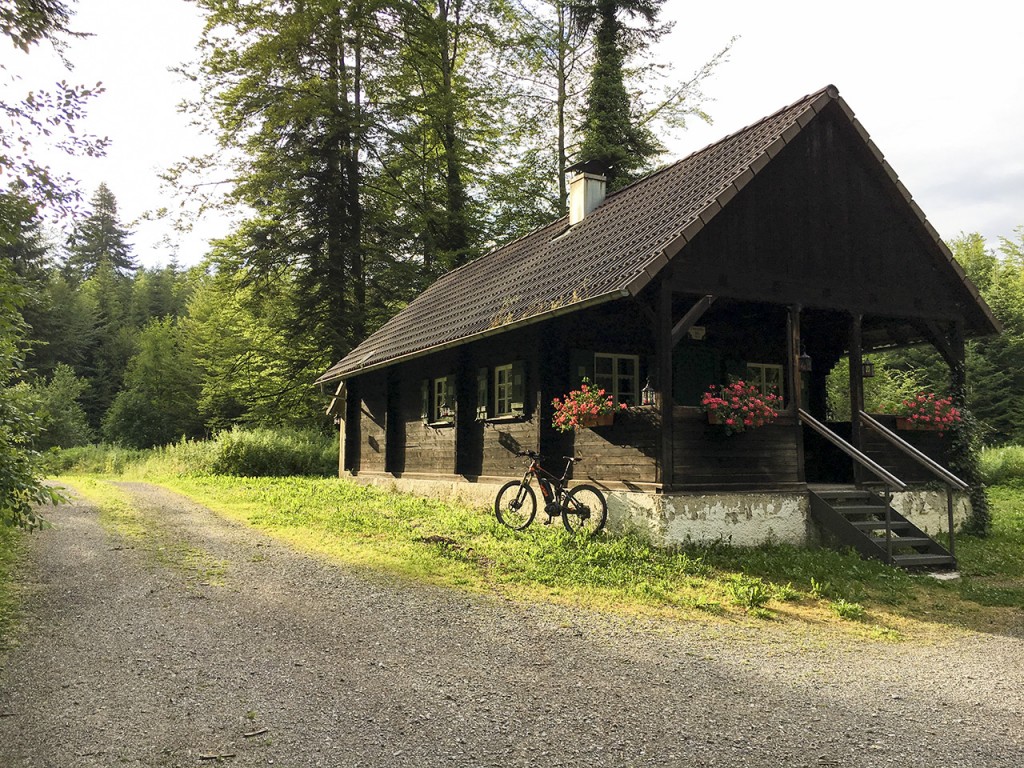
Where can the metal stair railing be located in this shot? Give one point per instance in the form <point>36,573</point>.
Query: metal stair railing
<point>951,480</point>
<point>888,478</point>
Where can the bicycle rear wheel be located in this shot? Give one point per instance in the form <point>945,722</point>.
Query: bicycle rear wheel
<point>515,505</point>
<point>585,510</point>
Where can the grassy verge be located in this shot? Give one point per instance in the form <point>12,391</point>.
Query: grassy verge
<point>11,540</point>
<point>459,546</point>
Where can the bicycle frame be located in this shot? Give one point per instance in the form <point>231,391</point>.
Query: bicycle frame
<point>553,488</point>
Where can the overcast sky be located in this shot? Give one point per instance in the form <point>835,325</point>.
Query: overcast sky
<point>938,85</point>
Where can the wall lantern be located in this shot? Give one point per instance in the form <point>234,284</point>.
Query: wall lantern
<point>805,363</point>
<point>867,369</point>
<point>647,394</point>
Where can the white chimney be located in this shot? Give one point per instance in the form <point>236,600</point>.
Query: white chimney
<point>586,191</point>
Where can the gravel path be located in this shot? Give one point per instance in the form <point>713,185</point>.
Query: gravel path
<point>205,638</point>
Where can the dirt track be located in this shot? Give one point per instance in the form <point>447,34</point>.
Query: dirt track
<point>204,638</point>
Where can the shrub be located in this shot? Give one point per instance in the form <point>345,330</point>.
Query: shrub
<point>240,452</point>
<point>274,453</point>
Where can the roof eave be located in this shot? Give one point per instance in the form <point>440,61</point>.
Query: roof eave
<point>593,301</point>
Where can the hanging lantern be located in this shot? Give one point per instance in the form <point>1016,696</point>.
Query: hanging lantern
<point>647,394</point>
<point>867,369</point>
<point>806,365</point>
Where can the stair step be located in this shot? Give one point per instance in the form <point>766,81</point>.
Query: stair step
<point>860,509</point>
<point>905,541</point>
<point>845,495</point>
<point>873,525</point>
<point>913,561</point>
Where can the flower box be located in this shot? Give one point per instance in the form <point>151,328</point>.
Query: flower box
<point>740,406</point>
<point>583,408</point>
<point>909,425</point>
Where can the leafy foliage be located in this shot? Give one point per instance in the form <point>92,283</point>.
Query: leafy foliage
<point>57,405</point>
<point>20,487</point>
<point>161,387</point>
<point>612,135</point>
<point>42,116</point>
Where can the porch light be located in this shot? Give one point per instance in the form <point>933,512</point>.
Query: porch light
<point>867,369</point>
<point>805,364</point>
<point>647,394</point>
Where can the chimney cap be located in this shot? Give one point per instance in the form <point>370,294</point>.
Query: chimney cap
<point>598,167</point>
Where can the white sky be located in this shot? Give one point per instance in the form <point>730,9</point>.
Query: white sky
<point>938,85</point>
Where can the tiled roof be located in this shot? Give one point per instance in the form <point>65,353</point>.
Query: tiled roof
<point>614,252</point>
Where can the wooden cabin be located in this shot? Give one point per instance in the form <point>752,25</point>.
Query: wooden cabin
<point>792,238</point>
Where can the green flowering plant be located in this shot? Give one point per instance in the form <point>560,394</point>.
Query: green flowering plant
<point>581,407</point>
<point>740,406</point>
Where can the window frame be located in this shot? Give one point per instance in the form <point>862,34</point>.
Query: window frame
<point>615,376</point>
<point>762,382</point>
<point>500,409</point>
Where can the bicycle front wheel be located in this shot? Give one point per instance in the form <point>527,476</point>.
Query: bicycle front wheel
<point>585,510</point>
<point>515,505</point>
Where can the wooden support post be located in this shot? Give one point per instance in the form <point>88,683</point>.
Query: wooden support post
<point>856,390</point>
<point>796,385</point>
<point>667,473</point>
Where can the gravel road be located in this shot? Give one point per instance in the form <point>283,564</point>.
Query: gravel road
<point>205,639</point>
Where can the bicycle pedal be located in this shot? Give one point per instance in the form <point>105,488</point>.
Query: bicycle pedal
<point>548,521</point>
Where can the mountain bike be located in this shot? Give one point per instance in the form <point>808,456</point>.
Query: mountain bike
<point>582,508</point>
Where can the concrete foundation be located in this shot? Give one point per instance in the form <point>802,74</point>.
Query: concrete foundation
<point>738,519</point>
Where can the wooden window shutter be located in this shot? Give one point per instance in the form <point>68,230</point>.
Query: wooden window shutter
<point>450,398</point>
<point>483,389</point>
<point>425,395</point>
<point>581,366</point>
<point>518,388</point>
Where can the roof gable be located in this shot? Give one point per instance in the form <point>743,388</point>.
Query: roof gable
<point>613,253</point>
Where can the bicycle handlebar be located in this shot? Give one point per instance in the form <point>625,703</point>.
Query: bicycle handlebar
<point>537,457</point>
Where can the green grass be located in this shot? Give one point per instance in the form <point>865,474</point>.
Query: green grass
<point>1001,466</point>
<point>11,540</point>
<point>464,547</point>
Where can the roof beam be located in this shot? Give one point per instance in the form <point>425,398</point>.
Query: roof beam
<point>690,318</point>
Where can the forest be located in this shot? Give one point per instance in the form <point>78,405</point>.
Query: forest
<point>369,148</point>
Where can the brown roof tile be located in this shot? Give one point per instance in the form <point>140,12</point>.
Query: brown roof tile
<point>615,251</point>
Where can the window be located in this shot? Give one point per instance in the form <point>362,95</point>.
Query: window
<point>618,375</point>
<point>503,390</point>
<point>438,396</point>
<point>441,408</point>
<point>766,377</point>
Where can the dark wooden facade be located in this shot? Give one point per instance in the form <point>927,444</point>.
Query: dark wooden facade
<point>815,249</point>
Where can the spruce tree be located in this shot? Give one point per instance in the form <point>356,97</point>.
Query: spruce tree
<point>100,239</point>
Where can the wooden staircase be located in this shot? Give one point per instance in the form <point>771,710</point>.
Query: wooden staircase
<point>856,518</point>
